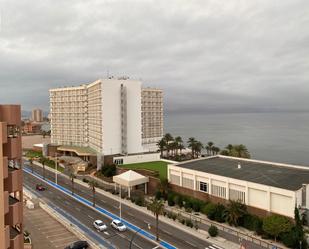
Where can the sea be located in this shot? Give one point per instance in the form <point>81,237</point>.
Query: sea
<point>278,137</point>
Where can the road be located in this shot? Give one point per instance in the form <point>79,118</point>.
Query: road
<point>172,235</point>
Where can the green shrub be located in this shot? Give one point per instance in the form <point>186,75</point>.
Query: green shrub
<point>219,214</point>
<point>170,199</point>
<point>158,195</point>
<point>109,170</point>
<point>213,231</point>
<point>140,201</point>
<point>210,211</point>
<point>85,180</point>
<point>188,203</point>
<point>189,223</point>
<point>253,223</point>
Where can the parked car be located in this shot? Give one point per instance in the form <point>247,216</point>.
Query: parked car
<point>81,244</point>
<point>118,225</point>
<point>99,225</point>
<point>40,187</point>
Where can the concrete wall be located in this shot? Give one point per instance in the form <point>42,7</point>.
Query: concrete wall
<point>261,197</point>
<point>142,158</point>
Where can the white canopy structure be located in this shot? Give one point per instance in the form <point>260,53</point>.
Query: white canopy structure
<point>129,179</point>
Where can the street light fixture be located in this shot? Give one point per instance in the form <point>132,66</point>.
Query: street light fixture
<point>134,235</point>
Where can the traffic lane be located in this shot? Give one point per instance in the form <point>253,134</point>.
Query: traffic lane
<point>169,233</point>
<point>86,215</point>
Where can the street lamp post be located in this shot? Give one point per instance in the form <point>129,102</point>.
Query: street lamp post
<point>134,235</point>
<point>56,169</point>
<point>120,187</point>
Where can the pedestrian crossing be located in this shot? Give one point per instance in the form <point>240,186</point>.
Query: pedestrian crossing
<point>213,247</point>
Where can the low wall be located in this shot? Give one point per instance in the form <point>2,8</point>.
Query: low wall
<point>141,158</point>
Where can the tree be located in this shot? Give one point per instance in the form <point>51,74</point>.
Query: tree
<point>209,148</point>
<point>162,146</point>
<point>234,212</point>
<point>168,139</point>
<point>198,146</point>
<point>43,161</point>
<point>31,163</point>
<point>215,150</point>
<point>241,151</point>
<point>72,177</point>
<point>191,143</point>
<point>93,185</point>
<point>179,143</point>
<point>157,208</point>
<point>163,187</point>
<point>276,224</point>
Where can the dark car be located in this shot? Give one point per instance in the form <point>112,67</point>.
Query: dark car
<point>40,187</point>
<point>78,245</point>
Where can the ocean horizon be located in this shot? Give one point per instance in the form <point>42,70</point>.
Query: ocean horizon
<point>274,136</point>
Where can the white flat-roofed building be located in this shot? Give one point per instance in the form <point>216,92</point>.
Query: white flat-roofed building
<point>265,187</point>
<point>106,116</point>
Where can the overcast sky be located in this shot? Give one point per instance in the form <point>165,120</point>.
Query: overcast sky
<point>212,56</point>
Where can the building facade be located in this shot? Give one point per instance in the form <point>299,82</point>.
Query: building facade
<point>37,115</point>
<point>11,181</point>
<point>265,187</point>
<point>110,116</point>
<point>152,117</point>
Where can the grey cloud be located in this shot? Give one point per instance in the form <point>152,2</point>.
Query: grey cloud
<point>206,55</point>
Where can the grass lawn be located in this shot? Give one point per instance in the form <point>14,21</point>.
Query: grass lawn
<point>158,166</point>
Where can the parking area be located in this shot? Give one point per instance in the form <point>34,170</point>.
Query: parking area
<point>45,231</point>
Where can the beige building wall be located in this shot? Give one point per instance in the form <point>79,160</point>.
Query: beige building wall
<point>37,115</point>
<point>69,116</point>
<point>152,117</point>
<point>11,183</point>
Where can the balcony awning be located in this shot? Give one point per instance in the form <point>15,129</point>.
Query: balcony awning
<point>80,151</point>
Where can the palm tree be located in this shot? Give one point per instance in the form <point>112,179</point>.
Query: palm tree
<point>168,139</point>
<point>43,161</point>
<point>191,142</point>
<point>72,177</point>
<point>229,148</point>
<point>162,146</point>
<point>234,211</point>
<point>31,163</point>
<point>215,150</point>
<point>240,151</point>
<point>198,146</point>
<point>209,148</point>
<point>178,142</point>
<point>157,208</point>
<point>92,185</point>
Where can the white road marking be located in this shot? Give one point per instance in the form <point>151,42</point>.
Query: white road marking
<point>156,247</point>
<point>90,217</point>
<point>166,232</point>
<point>106,233</point>
<point>78,209</point>
<point>215,247</point>
<point>130,214</point>
<point>190,244</point>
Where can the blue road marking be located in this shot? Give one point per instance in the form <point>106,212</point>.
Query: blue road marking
<point>102,210</point>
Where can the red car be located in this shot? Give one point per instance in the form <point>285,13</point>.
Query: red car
<point>40,187</point>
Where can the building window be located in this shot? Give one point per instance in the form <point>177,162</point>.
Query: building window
<point>218,191</point>
<point>236,195</point>
<point>175,179</point>
<point>187,183</point>
<point>203,186</point>
<point>118,161</point>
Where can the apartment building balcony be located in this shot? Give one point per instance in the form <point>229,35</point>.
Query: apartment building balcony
<point>16,239</point>
<point>6,202</point>
<point>14,181</point>
<point>5,167</point>
<point>15,215</point>
<point>7,237</point>
<point>12,149</point>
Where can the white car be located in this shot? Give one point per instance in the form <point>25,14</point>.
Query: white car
<point>118,225</point>
<point>99,225</point>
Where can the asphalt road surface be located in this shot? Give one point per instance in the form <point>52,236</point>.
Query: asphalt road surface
<point>86,215</point>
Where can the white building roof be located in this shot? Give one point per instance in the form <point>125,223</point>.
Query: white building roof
<point>130,178</point>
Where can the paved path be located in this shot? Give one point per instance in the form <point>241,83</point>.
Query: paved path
<point>45,231</point>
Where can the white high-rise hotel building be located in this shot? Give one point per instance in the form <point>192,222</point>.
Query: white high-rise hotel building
<point>112,116</point>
